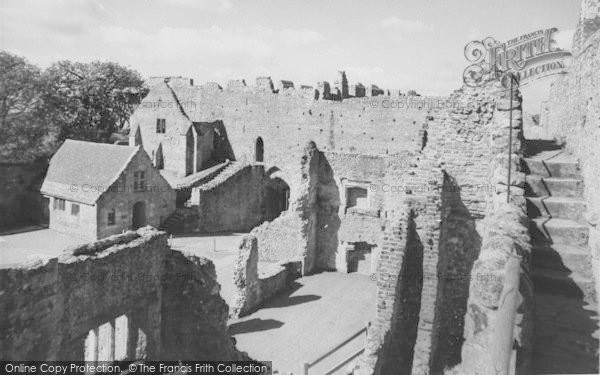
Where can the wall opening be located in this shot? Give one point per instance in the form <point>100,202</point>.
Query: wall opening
<point>139,215</point>
<point>259,150</point>
<point>277,198</point>
<point>362,259</point>
<point>189,152</point>
<point>357,196</point>
<point>108,342</point>
<point>159,161</point>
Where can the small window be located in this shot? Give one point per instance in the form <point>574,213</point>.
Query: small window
<point>74,209</point>
<point>139,181</point>
<point>161,125</point>
<point>111,217</point>
<point>59,204</point>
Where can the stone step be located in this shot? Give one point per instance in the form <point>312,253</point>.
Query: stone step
<point>555,186</point>
<point>559,231</point>
<point>553,164</point>
<point>566,335</point>
<point>570,284</point>
<point>557,207</point>
<point>563,258</point>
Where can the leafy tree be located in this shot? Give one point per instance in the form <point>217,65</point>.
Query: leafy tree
<point>86,101</point>
<point>23,133</point>
<point>93,100</point>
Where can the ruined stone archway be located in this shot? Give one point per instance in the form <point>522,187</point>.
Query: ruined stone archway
<point>277,198</point>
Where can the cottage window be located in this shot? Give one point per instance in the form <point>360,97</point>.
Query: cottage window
<point>139,181</point>
<point>161,125</point>
<point>74,209</point>
<point>59,204</point>
<point>111,217</point>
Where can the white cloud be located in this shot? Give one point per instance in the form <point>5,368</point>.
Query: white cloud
<point>210,5</point>
<point>301,36</point>
<point>404,25</point>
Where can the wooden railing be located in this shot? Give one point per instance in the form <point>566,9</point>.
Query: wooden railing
<point>307,365</point>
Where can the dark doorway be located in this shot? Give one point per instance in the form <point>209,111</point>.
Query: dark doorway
<point>277,197</point>
<point>361,260</point>
<point>139,215</point>
<point>259,151</point>
<point>189,152</point>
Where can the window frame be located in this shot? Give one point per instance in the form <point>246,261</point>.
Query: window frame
<point>161,126</point>
<point>111,217</point>
<point>139,181</point>
<point>59,204</point>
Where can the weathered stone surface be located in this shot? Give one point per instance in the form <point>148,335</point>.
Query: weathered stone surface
<point>170,300</point>
<point>251,288</point>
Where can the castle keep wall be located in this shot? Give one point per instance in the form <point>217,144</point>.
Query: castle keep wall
<point>373,126</point>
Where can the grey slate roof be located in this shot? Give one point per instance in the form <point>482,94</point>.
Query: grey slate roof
<point>83,171</point>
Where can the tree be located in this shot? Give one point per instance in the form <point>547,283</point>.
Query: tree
<point>23,133</point>
<point>39,110</point>
<point>93,100</point>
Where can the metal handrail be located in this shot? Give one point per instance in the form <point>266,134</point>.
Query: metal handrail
<point>308,365</point>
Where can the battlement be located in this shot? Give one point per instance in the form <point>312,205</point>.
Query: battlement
<point>340,90</point>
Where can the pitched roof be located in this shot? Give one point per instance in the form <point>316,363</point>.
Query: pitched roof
<point>83,171</point>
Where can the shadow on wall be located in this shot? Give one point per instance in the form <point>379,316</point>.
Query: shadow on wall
<point>400,340</point>
<point>222,149</point>
<point>460,245</point>
<point>328,219</point>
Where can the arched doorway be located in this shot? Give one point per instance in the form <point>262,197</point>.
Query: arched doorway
<point>139,215</point>
<point>259,150</point>
<point>277,197</point>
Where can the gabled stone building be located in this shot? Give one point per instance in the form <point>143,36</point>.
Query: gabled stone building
<point>96,190</point>
<point>173,141</point>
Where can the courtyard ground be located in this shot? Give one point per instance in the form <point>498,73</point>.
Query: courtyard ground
<point>298,326</point>
<point>20,246</point>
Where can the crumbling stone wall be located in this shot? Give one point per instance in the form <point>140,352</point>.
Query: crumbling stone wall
<point>47,309</point>
<point>574,115</point>
<point>303,231</point>
<point>194,316</point>
<point>252,289</point>
<point>448,189</point>
<point>20,199</point>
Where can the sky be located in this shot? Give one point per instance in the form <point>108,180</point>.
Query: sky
<point>396,44</point>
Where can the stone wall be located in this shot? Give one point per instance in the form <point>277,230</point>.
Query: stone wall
<point>308,229</point>
<point>20,200</point>
<point>254,288</point>
<point>378,125</point>
<point>63,308</point>
<point>437,217</point>
<point>233,201</point>
<point>574,115</point>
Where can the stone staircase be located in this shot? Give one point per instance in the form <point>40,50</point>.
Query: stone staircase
<point>566,327</point>
<point>174,223</point>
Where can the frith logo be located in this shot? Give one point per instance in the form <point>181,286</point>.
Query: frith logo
<point>529,57</point>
